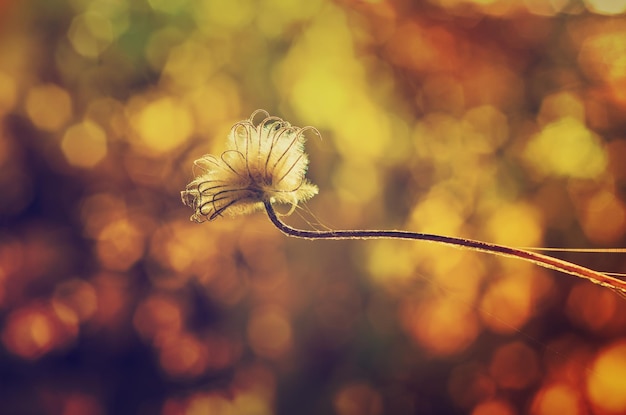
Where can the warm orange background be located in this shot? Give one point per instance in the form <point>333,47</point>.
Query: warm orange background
<point>499,120</point>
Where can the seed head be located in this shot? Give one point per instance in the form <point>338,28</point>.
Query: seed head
<point>264,162</point>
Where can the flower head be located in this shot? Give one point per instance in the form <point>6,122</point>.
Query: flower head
<point>262,163</point>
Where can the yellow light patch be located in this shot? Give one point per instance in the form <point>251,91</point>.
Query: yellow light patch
<point>485,129</point>
<point>494,407</point>
<point>189,65</point>
<point>210,404</point>
<point>515,225</point>
<point>90,34</point>
<point>120,245</point>
<point>605,385</point>
<point>559,105</point>
<point>48,106</point>
<point>275,16</point>
<point>364,132</point>
<point>84,145</point>
<point>558,398</point>
<point>230,14</point>
<point>163,125</point>
<point>167,6</point>
<point>438,212</point>
<point>608,7</point>
<point>602,57</point>
<point>566,148</point>
<point>8,92</point>
<point>507,304</point>
<point>357,182</point>
<point>604,218</point>
<point>442,326</point>
<point>390,262</point>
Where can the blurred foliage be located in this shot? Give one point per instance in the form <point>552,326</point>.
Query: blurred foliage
<point>500,120</point>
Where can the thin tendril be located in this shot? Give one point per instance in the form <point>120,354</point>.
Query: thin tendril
<point>290,169</point>
<point>228,165</point>
<point>579,250</point>
<point>287,149</point>
<point>218,212</point>
<point>277,136</point>
<point>501,250</point>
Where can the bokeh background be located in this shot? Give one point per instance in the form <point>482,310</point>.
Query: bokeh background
<point>499,120</point>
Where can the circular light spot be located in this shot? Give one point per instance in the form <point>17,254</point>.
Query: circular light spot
<point>163,125</point>
<point>29,332</point>
<point>605,385</point>
<point>90,34</point>
<point>48,106</point>
<point>567,148</point>
<point>84,145</point>
<point>269,332</point>
<point>8,92</point>
<point>557,399</point>
<point>443,326</point>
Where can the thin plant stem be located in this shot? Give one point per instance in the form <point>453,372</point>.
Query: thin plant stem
<point>495,249</point>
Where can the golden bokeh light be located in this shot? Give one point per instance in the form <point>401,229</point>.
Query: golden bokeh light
<point>84,145</point>
<point>49,107</point>
<point>90,34</point>
<point>207,404</point>
<point>515,225</point>
<point>8,92</point>
<point>29,333</point>
<point>246,397</point>
<point>162,125</point>
<point>157,316</point>
<point>494,407</point>
<point>507,304</point>
<point>597,209</point>
<point>77,295</point>
<point>36,329</point>
<point>168,6</point>
<point>230,15</point>
<point>567,148</point>
<point>188,65</point>
<point>560,105</point>
<point>607,7</point>
<point>182,355</point>
<point>269,332</point>
<point>602,57</point>
<point>605,387</point>
<point>358,399</point>
<point>558,398</point>
<point>120,245</point>
<point>443,326</point>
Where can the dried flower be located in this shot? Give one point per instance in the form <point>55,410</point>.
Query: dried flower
<point>266,163</point>
<point>262,163</point>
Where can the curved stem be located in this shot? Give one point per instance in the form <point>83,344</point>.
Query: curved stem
<point>501,250</point>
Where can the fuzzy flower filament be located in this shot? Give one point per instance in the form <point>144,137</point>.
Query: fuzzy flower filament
<point>266,164</point>
<point>262,163</point>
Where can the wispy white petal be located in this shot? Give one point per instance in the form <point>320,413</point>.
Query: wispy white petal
<point>262,162</point>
